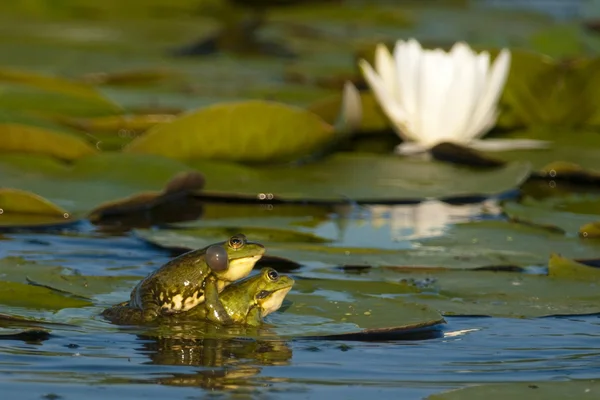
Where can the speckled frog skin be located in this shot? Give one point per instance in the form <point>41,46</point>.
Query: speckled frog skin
<point>193,278</point>
<point>249,300</point>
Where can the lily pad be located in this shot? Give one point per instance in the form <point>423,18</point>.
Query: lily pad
<point>51,95</point>
<point>20,208</point>
<point>347,309</point>
<point>364,178</point>
<point>479,293</point>
<point>14,294</point>
<point>20,138</point>
<point>461,246</point>
<point>579,389</point>
<point>543,91</point>
<point>88,182</point>
<point>250,131</point>
<point>181,186</point>
<point>561,267</point>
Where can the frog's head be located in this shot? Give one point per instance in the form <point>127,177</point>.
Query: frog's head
<point>269,289</point>
<point>233,259</point>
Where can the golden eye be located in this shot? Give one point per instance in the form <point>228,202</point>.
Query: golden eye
<point>238,241</point>
<point>272,275</point>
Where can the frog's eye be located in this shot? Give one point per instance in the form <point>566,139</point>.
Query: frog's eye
<point>238,241</point>
<point>216,258</point>
<point>272,275</point>
<point>262,294</point>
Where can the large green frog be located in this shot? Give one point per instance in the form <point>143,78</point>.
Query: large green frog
<point>249,300</point>
<point>245,302</point>
<point>188,280</point>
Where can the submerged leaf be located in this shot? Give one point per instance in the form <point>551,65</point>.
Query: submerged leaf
<point>250,131</point>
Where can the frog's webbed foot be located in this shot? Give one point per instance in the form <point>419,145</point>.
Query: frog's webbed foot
<point>215,311</point>
<point>151,313</point>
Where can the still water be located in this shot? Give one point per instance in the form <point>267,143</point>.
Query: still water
<point>94,360</point>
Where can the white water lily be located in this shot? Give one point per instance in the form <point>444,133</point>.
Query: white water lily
<point>433,96</point>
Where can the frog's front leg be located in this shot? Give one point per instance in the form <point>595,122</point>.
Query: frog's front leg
<point>254,317</point>
<point>215,311</point>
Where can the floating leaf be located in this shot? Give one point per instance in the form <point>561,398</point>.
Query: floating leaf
<point>15,294</point>
<point>51,95</point>
<point>250,131</point>
<point>543,91</point>
<point>23,202</point>
<point>579,389</point>
<point>363,178</point>
<point>30,139</point>
<point>460,246</point>
<point>181,186</point>
<point>22,208</point>
<point>130,125</point>
<point>346,309</point>
<point>91,181</point>
<point>590,230</point>
<point>564,268</point>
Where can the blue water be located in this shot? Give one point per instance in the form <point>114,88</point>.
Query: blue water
<point>96,360</point>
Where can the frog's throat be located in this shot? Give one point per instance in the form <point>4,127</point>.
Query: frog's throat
<point>273,302</point>
<point>239,268</point>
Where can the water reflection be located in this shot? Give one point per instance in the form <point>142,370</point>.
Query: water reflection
<point>227,362</point>
<point>428,218</point>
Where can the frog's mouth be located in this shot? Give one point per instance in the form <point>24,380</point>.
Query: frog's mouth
<point>240,267</point>
<point>274,300</point>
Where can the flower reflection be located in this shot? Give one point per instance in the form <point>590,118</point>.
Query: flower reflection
<point>426,219</point>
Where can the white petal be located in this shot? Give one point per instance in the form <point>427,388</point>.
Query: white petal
<point>384,65</point>
<point>350,116</point>
<point>485,113</point>
<point>391,109</point>
<point>508,144</point>
<point>463,93</point>
<point>407,56</point>
<point>435,79</point>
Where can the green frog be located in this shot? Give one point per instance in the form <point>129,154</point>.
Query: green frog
<point>192,278</point>
<point>249,300</point>
<point>245,302</point>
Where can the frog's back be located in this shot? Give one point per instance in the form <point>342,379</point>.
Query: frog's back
<point>177,285</point>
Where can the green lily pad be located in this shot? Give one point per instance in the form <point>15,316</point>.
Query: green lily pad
<point>88,182</point>
<point>251,131</point>
<point>22,208</point>
<point>579,389</point>
<point>347,308</point>
<point>534,212</point>
<point>14,294</point>
<point>561,267</point>
<point>484,293</point>
<point>543,91</point>
<point>364,178</point>
<point>20,138</point>
<point>26,91</point>
<point>462,246</point>
<point>590,230</point>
